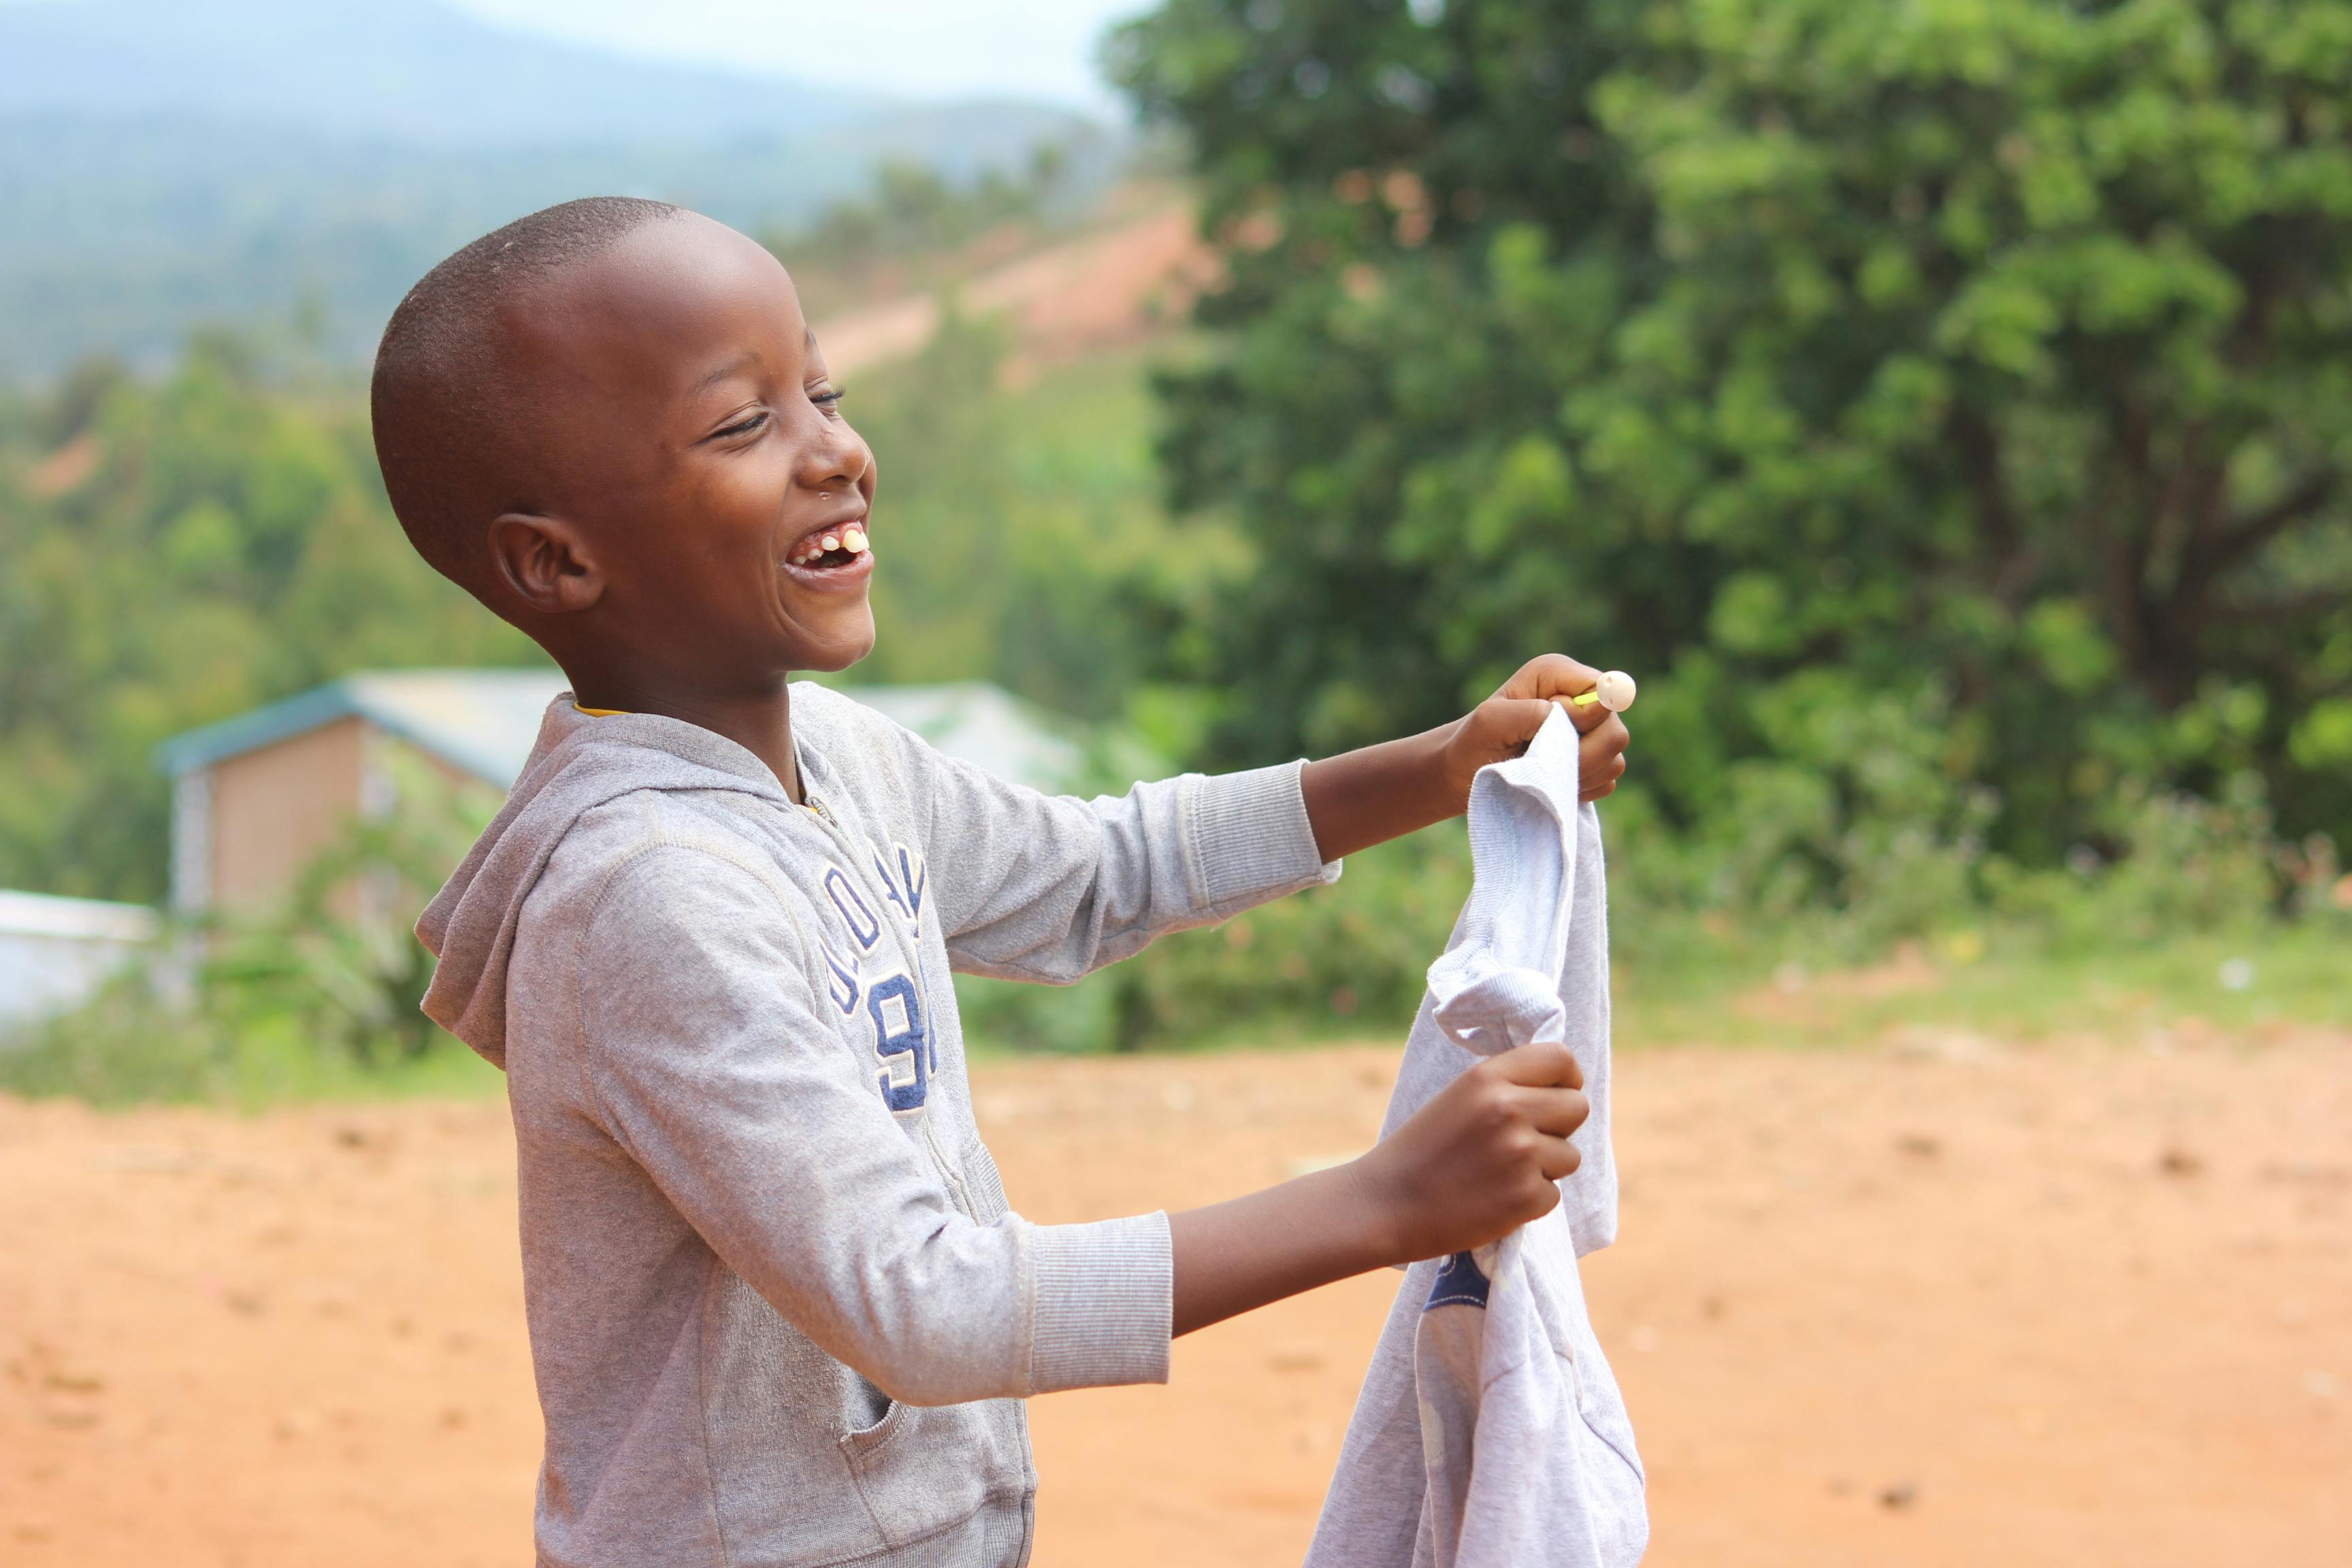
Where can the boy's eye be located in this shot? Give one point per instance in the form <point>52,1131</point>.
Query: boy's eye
<point>749,423</point>
<point>826,397</point>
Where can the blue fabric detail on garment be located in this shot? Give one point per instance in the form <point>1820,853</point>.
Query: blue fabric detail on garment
<point>902,1037</point>
<point>1459,1284</point>
<point>852,908</point>
<point>840,977</point>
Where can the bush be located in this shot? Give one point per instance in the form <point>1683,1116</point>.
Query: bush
<point>2189,865</point>
<point>317,995</point>
<point>1347,958</point>
<point>1818,869</point>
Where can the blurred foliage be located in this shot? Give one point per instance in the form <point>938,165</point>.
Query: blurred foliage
<point>1944,407</point>
<point>1019,535</point>
<point>318,995</point>
<point>1344,959</point>
<point>179,550</point>
<point>1546,326</point>
<point>1701,925</point>
<point>913,227</point>
<point>340,957</point>
<point>172,553</point>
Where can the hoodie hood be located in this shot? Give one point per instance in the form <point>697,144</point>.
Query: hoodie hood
<point>578,763</point>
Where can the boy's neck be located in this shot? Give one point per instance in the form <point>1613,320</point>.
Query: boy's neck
<point>759,722</point>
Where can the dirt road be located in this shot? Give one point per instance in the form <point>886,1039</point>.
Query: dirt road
<point>1113,286</point>
<point>1963,1305</point>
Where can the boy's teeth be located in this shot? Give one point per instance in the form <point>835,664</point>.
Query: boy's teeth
<point>852,539</point>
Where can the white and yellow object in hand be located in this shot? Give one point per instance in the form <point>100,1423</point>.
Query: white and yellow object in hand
<point>1613,691</point>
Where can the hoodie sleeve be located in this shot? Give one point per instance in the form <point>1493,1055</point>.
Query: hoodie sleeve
<point>1036,887</point>
<point>714,1065</point>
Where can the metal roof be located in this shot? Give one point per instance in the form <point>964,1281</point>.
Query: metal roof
<point>481,720</point>
<point>485,721</point>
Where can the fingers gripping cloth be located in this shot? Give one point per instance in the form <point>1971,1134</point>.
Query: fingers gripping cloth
<point>1490,1430</point>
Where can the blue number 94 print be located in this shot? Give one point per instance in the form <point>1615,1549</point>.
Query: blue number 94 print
<point>900,1036</point>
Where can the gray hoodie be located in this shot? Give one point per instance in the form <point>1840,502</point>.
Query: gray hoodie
<point>779,1312</point>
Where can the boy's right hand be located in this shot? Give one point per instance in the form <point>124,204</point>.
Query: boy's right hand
<point>1471,1167</point>
<point>1482,1158</point>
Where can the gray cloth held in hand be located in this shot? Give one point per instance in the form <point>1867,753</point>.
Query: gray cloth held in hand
<point>1490,1431</point>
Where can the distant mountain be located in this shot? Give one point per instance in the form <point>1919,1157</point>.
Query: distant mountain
<point>166,164</point>
<point>408,70</point>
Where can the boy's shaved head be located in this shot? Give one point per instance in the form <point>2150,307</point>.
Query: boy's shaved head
<point>455,420</point>
<point>611,424</point>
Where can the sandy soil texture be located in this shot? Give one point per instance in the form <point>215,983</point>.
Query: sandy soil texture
<point>1957,1304</point>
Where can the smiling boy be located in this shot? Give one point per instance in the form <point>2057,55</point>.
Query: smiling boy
<point>779,1310</point>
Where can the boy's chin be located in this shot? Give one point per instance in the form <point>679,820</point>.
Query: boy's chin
<point>837,651</point>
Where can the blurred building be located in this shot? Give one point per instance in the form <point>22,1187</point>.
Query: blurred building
<point>257,797</point>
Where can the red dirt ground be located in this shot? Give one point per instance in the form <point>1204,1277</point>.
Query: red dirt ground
<point>2059,1305</point>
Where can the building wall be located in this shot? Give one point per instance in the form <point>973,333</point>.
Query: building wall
<point>275,808</point>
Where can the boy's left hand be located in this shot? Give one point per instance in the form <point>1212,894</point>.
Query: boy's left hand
<point>1500,728</point>
<point>1365,797</point>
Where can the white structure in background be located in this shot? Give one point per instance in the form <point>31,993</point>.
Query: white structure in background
<point>54,952</point>
<point>256,796</point>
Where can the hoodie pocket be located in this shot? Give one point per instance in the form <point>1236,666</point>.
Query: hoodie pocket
<point>865,1441</point>
<point>924,1468</point>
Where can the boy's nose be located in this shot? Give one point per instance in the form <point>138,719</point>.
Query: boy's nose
<point>840,462</point>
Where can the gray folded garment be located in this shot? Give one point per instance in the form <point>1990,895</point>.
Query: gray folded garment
<point>1489,1430</point>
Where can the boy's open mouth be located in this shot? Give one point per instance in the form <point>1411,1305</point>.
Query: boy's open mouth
<point>828,549</point>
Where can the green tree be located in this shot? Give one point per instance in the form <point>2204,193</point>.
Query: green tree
<point>220,545</point>
<point>1919,396</point>
<point>1018,537</point>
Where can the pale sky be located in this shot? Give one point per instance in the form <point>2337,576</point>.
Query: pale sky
<point>922,48</point>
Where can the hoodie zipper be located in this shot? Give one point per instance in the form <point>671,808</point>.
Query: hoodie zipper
<point>957,1189</point>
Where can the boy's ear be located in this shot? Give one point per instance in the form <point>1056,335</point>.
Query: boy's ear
<point>545,561</point>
